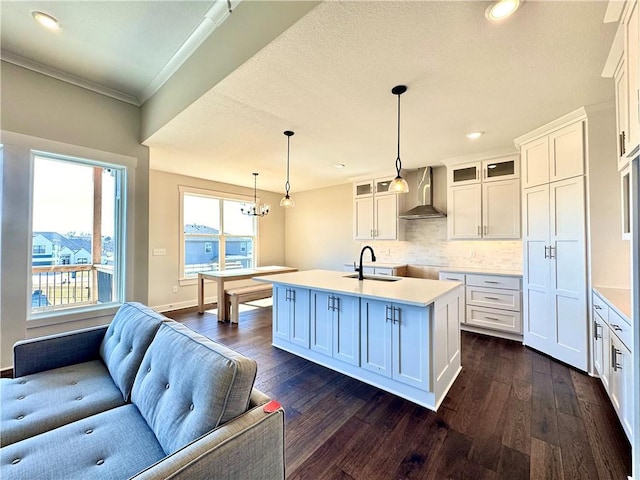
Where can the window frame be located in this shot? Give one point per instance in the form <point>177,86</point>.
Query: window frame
<point>120,234</point>
<point>222,237</point>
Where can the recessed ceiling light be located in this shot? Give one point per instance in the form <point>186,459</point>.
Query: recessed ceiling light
<point>338,165</point>
<point>474,135</point>
<point>501,9</point>
<point>46,21</point>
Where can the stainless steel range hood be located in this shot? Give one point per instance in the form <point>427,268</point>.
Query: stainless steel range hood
<point>425,208</point>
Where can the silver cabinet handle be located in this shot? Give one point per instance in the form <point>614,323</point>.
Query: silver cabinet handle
<point>396,318</point>
<point>479,231</point>
<point>387,317</point>
<point>595,330</point>
<point>551,249</point>
<point>545,252</point>
<point>486,230</point>
<point>493,318</point>
<point>616,327</point>
<point>614,358</point>
<point>491,298</point>
<point>491,281</point>
<point>597,307</point>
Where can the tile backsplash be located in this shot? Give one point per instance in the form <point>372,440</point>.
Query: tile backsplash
<point>426,244</point>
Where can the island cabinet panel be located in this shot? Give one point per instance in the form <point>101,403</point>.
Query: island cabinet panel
<point>335,326</point>
<point>395,341</point>
<point>292,320</point>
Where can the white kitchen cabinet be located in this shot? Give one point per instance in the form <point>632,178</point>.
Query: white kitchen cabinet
<point>601,357</point>
<point>554,287</point>
<point>621,384</point>
<point>556,156</point>
<point>335,326</point>
<point>395,341</point>
<point>465,174</point>
<point>375,214</point>
<point>292,322</point>
<point>622,65</point>
<point>488,210</point>
<point>500,168</point>
<point>385,269</point>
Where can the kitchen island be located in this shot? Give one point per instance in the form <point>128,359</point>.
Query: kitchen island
<point>399,334</point>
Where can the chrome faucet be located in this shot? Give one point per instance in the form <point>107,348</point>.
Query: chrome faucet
<point>373,259</point>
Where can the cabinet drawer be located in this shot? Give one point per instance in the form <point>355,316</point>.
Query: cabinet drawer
<point>496,320</point>
<point>494,281</point>
<point>621,328</point>
<point>456,277</point>
<point>600,307</point>
<point>493,297</point>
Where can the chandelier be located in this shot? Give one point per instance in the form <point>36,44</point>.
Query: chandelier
<point>255,210</point>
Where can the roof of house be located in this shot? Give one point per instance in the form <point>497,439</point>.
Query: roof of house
<point>202,229</point>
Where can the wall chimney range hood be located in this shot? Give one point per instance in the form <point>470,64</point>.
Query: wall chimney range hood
<point>425,208</point>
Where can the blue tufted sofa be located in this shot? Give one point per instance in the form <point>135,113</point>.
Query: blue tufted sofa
<point>143,398</point>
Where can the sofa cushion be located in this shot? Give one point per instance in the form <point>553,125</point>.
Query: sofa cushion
<point>111,445</point>
<point>127,338</point>
<point>187,385</point>
<point>43,401</point>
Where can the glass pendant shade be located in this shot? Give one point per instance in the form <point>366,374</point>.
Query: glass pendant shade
<point>399,185</point>
<point>287,202</point>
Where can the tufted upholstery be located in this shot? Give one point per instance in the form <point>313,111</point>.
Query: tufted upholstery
<point>188,385</point>
<point>115,444</point>
<point>126,341</point>
<point>43,401</point>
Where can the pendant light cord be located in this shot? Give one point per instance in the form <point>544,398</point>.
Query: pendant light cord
<point>287,185</point>
<point>398,162</point>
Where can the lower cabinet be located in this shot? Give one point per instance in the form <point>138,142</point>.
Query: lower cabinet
<point>335,326</point>
<point>395,341</point>
<point>291,319</point>
<point>601,349</point>
<point>621,383</point>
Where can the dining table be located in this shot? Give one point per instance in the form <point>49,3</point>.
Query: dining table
<point>232,274</point>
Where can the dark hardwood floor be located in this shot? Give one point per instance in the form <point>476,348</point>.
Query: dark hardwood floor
<point>511,414</point>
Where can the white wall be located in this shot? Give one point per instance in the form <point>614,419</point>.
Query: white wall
<point>164,232</point>
<point>41,112</point>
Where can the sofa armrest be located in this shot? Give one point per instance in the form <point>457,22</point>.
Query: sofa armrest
<point>55,351</point>
<point>251,446</point>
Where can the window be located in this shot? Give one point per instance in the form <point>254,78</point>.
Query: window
<point>215,235</point>
<point>77,208</point>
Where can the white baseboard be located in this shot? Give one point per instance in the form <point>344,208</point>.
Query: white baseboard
<point>179,305</point>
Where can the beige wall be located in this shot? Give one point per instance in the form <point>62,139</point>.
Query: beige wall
<point>610,255</point>
<point>164,232</point>
<point>40,112</point>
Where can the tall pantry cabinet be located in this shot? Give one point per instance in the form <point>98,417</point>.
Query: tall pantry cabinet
<point>553,160</point>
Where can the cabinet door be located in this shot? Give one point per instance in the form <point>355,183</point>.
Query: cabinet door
<point>501,209</point>
<point>601,349</point>
<point>346,329</point>
<point>568,272</point>
<point>538,316</point>
<point>281,313</point>
<point>363,218</point>
<point>500,169</point>
<point>535,162</point>
<point>385,225</point>
<point>363,189</point>
<point>381,186</point>
<point>322,322</point>
<point>375,336</point>
<point>465,174</point>
<point>632,47</point>
<point>620,82</point>
<point>411,345</point>
<point>464,218</point>
<point>616,375</point>
<point>566,151</point>
<point>628,410</point>
<point>298,298</point>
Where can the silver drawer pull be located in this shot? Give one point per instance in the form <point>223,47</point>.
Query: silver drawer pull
<point>493,318</point>
<point>454,279</point>
<point>490,281</point>
<point>597,307</point>
<point>492,298</point>
<point>616,327</point>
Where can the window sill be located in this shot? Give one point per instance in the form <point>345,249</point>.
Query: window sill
<point>45,319</point>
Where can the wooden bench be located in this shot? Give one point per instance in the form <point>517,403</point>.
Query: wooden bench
<point>236,296</point>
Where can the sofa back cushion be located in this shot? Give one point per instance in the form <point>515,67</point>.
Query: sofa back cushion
<point>126,341</point>
<point>187,385</point>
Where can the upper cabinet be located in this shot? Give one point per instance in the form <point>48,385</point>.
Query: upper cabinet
<point>623,65</point>
<point>483,199</point>
<point>556,156</point>
<point>375,210</point>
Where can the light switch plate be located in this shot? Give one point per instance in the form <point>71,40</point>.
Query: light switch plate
<point>159,251</point>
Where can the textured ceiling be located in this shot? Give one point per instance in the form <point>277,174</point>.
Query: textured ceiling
<point>120,45</point>
<point>329,77</point>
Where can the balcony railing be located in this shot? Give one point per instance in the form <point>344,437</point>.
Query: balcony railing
<point>64,286</point>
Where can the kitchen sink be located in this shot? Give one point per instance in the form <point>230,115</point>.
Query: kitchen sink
<point>379,278</point>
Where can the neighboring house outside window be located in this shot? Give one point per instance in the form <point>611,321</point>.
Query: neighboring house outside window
<point>215,235</point>
<point>64,234</point>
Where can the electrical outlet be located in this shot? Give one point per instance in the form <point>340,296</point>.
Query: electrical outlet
<point>472,254</point>
<point>175,289</point>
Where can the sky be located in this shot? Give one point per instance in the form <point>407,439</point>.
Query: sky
<point>63,198</point>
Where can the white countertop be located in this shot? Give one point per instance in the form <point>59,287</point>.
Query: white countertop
<point>482,270</point>
<point>413,291</point>
<point>377,264</point>
<point>617,298</point>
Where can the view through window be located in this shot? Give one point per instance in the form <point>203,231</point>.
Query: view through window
<point>76,233</point>
<point>216,236</point>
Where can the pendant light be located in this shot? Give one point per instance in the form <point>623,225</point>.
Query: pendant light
<point>255,210</point>
<point>399,184</point>
<point>287,201</point>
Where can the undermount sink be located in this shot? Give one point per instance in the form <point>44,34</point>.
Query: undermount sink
<point>379,278</point>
